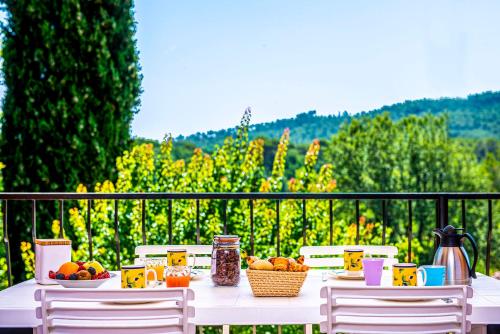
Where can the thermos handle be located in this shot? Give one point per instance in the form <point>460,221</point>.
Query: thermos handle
<point>472,269</point>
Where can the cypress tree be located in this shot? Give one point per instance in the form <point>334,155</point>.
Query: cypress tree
<point>72,82</point>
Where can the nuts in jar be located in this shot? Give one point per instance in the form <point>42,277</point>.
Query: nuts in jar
<point>226,260</point>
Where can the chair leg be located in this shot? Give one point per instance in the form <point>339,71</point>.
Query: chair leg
<point>308,329</point>
<point>225,329</point>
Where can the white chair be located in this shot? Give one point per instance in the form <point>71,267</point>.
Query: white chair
<point>366,310</point>
<point>115,311</point>
<point>333,256</point>
<point>202,253</point>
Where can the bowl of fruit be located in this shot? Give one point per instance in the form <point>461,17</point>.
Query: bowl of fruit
<point>79,274</point>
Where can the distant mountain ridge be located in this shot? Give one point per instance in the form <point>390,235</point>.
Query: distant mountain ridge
<point>476,116</point>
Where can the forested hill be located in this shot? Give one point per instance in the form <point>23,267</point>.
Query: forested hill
<point>477,116</point>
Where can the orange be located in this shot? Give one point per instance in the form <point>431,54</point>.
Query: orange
<point>68,268</point>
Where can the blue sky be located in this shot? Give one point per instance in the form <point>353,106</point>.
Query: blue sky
<point>204,62</point>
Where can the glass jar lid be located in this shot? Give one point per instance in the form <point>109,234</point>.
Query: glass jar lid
<point>226,239</point>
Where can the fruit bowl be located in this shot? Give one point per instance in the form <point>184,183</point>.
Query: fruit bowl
<point>94,283</point>
<point>90,274</point>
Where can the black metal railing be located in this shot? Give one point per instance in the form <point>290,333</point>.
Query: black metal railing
<point>441,212</point>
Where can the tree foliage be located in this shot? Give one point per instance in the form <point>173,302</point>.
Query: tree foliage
<point>72,87</point>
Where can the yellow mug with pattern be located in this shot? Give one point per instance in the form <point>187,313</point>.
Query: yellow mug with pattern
<point>404,274</point>
<point>353,264</point>
<point>136,276</point>
<point>179,257</point>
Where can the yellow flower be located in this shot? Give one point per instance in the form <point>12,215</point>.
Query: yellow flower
<point>81,188</point>
<point>25,246</point>
<point>56,227</point>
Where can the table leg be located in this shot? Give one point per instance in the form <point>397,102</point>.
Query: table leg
<point>225,329</point>
<point>479,329</point>
<point>308,329</point>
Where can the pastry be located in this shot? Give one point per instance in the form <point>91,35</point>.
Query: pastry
<point>252,259</point>
<point>293,265</point>
<point>261,265</point>
<point>280,264</point>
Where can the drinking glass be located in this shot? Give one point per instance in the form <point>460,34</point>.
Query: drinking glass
<point>158,265</point>
<point>372,269</point>
<point>178,276</point>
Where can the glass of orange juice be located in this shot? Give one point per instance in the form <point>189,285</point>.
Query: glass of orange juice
<point>178,276</point>
<point>158,265</point>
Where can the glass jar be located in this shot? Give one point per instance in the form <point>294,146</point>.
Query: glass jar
<point>226,262</point>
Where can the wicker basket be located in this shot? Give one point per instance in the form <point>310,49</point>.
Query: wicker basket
<point>266,283</point>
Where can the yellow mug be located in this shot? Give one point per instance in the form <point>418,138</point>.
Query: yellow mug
<point>136,276</point>
<point>178,257</point>
<point>353,264</point>
<point>404,274</point>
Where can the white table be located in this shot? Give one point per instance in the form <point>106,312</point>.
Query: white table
<point>237,305</point>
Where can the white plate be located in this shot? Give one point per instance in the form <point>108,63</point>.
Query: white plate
<point>94,283</point>
<point>197,274</point>
<point>341,274</point>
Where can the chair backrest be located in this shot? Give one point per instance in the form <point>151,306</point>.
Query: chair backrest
<point>442,309</point>
<point>202,253</point>
<point>333,256</point>
<point>115,311</point>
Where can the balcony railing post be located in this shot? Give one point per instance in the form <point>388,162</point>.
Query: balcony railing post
<point>117,236</point>
<point>252,246</point>
<point>278,227</point>
<point>357,222</point>
<point>143,222</point>
<point>6,242</point>
<point>197,221</point>
<point>224,215</point>
<point>89,228</point>
<point>304,222</point>
<point>169,217</point>
<point>443,211</point>
<point>464,220</point>
<point>330,205</point>
<point>61,219</point>
<point>33,221</point>
<point>489,237</point>
<point>384,221</point>
<point>410,229</point>
<point>438,222</point>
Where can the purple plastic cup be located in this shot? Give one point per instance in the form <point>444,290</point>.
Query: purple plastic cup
<point>372,269</point>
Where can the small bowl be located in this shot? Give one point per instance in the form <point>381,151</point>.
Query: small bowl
<point>92,283</point>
